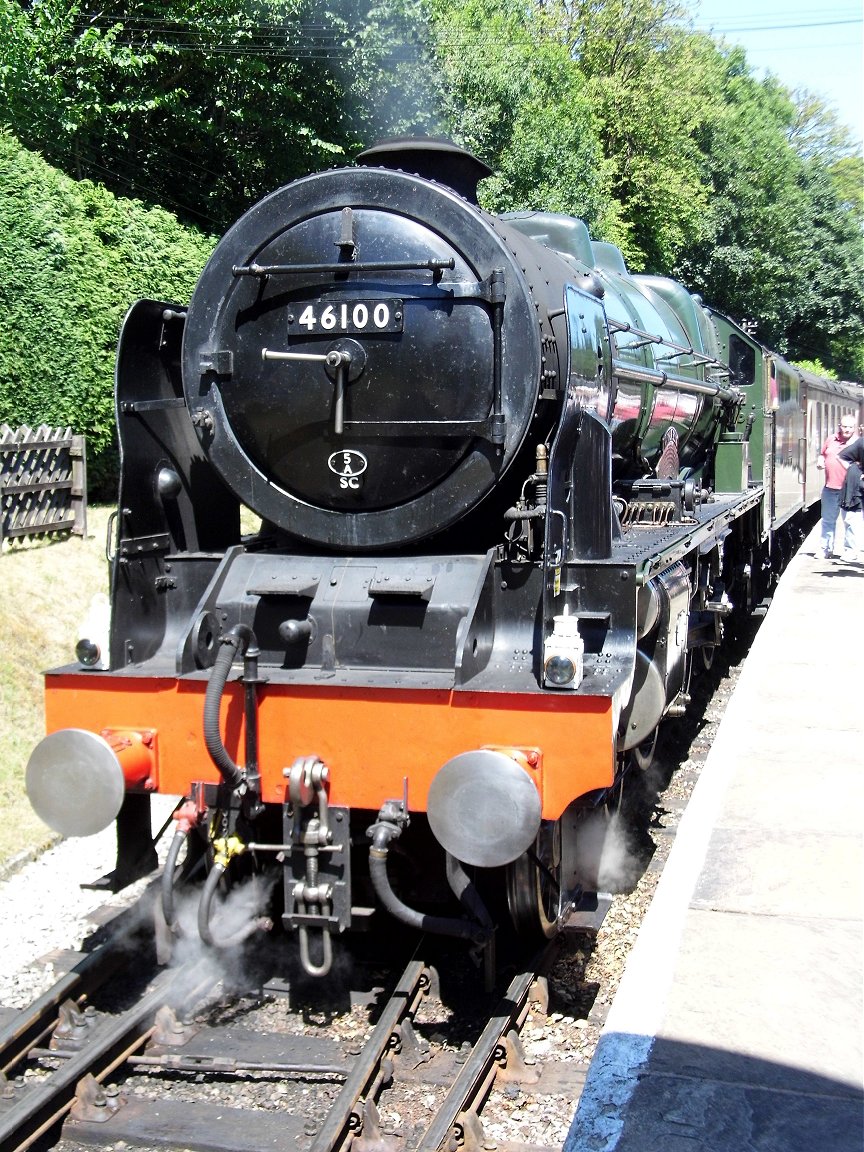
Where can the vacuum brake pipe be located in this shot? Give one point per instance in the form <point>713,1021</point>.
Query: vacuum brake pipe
<point>240,639</point>
<point>237,640</point>
<point>389,827</point>
<point>464,888</point>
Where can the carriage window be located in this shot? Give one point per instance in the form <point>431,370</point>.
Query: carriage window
<point>742,360</point>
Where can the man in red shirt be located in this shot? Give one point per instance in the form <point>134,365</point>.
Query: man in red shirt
<point>835,475</point>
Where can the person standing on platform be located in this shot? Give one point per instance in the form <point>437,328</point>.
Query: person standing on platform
<point>853,453</point>
<point>852,496</point>
<point>835,476</point>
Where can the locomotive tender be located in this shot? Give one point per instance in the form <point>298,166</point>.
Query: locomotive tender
<point>508,494</point>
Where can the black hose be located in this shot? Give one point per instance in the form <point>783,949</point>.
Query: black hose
<point>261,923</point>
<point>442,925</point>
<point>168,880</point>
<point>208,892</point>
<point>233,642</point>
<point>464,888</point>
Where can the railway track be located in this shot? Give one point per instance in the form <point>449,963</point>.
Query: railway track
<point>82,1061</point>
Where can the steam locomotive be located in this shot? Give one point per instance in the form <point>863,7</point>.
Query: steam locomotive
<point>508,495</point>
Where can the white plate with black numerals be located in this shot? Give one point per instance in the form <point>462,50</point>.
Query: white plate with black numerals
<point>324,317</point>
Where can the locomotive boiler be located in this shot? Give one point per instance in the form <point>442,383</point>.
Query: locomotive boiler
<point>507,495</point>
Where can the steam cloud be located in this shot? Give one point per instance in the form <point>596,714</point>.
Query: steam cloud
<point>605,861</point>
<point>198,965</point>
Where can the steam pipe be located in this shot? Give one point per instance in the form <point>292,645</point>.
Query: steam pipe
<point>258,923</point>
<point>237,640</point>
<point>658,379</point>
<point>382,834</point>
<point>513,514</point>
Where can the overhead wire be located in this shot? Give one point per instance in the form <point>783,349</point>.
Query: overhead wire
<point>785,27</point>
<point>124,176</point>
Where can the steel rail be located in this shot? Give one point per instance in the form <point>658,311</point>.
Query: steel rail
<point>32,1023</point>
<point>215,1065</point>
<point>345,1117</point>
<point>111,1042</point>
<point>478,1073</point>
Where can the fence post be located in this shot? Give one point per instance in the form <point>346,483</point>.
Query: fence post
<point>78,453</point>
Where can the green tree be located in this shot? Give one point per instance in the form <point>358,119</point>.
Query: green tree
<point>848,176</point>
<point>826,321</point>
<point>389,72</point>
<point>749,259</point>
<point>818,137</point>
<point>817,367</point>
<point>204,106</point>
<point>782,247</point>
<point>651,86</point>
<point>513,96</point>
<point>816,132</point>
<point>661,139</point>
<point>200,105</point>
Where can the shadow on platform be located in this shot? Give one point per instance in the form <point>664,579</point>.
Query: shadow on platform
<point>679,1097</point>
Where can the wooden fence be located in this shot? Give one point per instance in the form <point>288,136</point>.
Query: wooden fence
<point>43,482</point>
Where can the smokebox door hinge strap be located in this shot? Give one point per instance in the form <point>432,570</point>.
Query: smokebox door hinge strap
<point>346,243</point>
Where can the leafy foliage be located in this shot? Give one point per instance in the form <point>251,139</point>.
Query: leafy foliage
<point>613,110</point>
<point>390,78</point>
<point>200,105</point>
<point>651,87</point>
<point>72,259</point>
<point>816,367</point>
<point>514,99</point>
<point>826,318</point>
<point>666,144</point>
<point>848,175</point>
<point>781,249</point>
<point>204,106</point>
<point>748,256</point>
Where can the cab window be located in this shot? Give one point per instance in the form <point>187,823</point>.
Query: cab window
<point>742,360</point>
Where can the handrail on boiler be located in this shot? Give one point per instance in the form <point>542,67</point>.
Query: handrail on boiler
<point>658,379</point>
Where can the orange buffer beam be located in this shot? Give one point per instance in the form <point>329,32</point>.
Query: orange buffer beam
<point>370,739</point>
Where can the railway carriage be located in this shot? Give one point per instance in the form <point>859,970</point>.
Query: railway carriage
<point>508,494</point>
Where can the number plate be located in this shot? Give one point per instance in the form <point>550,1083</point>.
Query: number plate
<point>332,316</point>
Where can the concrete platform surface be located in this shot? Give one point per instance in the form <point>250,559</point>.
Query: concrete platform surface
<point>738,1023</point>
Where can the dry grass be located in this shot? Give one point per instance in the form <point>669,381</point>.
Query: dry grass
<point>47,587</point>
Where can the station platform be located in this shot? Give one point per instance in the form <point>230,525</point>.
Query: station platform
<point>738,1023</point>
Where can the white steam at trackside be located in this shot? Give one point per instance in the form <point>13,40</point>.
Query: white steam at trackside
<point>198,964</point>
<point>605,861</point>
